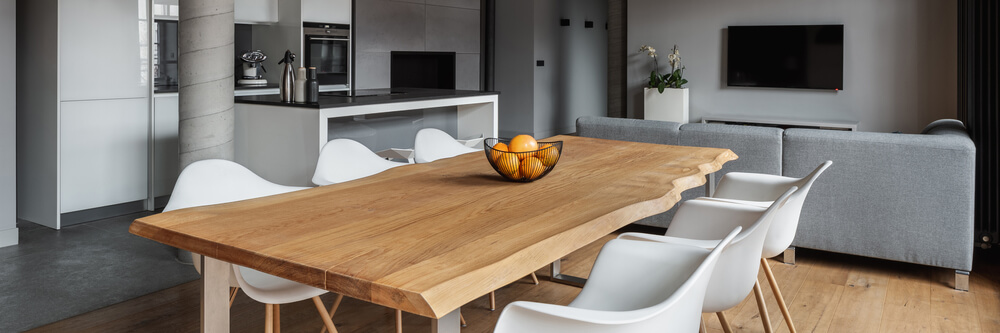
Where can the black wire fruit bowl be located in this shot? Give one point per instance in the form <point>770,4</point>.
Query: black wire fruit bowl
<point>525,166</point>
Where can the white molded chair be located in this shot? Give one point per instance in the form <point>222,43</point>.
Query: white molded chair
<point>210,182</point>
<point>700,223</point>
<point>635,286</point>
<point>344,160</point>
<point>761,189</point>
<point>432,144</point>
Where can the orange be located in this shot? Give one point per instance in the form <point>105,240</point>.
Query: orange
<point>498,149</point>
<point>548,154</point>
<point>508,164</point>
<point>532,167</point>
<point>523,143</point>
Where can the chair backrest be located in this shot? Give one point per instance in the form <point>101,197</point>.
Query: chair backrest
<point>786,220</point>
<point>432,144</point>
<point>736,273</point>
<point>344,160</point>
<point>663,293</point>
<point>210,182</point>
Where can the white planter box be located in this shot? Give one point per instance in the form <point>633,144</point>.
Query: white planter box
<point>671,105</point>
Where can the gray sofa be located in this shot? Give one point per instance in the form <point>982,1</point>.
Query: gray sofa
<point>903,197</point>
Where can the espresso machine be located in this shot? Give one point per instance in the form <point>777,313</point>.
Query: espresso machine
<point>253,67</point>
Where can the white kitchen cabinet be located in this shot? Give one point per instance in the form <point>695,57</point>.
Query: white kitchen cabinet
<point>165,144</point>
<point>83,109</point>
<point>101,49</point>
<point>255,11</point>
<point>103,153</point>
<point>327,11</point>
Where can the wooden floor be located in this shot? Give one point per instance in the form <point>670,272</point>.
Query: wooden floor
<point>826,292</point>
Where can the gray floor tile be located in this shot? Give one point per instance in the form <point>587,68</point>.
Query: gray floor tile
<point>56,274</point>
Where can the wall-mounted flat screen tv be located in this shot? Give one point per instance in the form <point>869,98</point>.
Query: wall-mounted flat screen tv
<point>786,56</point>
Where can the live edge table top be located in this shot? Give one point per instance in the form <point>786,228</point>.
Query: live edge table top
<point>428,238</point>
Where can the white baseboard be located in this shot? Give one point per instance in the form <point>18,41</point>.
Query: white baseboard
<point>8,237</point>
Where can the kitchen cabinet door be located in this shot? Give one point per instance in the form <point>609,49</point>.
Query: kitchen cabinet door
<point>102,49</point>
<point>255,11</point>
<point>103,153</point>
<point>165,144</point>
<point>327,11</point>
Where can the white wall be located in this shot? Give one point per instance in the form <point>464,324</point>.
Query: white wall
<point>8,111</point>
<point>900,58</point>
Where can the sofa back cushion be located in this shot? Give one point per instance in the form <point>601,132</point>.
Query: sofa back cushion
<point>635,130</point>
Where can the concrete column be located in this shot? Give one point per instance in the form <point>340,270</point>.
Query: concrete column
<point>205,72</point>
<point>205,36</point>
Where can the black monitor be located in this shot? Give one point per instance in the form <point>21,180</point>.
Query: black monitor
<point>434,70</point>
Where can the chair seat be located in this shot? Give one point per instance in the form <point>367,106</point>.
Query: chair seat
<point>270,289</point>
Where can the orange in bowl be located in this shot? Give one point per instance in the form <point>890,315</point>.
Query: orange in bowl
<point>531,167</point>
<point>498,149</point>
<point>548,154</point>
<point>508,164</point>
<point>522,143</point>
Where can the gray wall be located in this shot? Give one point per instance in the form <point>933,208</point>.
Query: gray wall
<point>900,60</point>
<point>546,100</point>
<point>382,26</point>
<point>515,66</point>
<point>8,111</point>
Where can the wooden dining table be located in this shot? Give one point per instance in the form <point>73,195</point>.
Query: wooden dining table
<point>428,238</point>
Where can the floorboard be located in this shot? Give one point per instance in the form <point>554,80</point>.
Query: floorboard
<point>826,292</point>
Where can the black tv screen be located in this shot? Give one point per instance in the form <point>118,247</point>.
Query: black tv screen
<point>786,56</point>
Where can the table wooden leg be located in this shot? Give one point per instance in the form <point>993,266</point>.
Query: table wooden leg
<point>215,295</point>
<point>448,324</point>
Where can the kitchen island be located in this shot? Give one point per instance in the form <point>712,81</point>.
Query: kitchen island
<point>281,141</point>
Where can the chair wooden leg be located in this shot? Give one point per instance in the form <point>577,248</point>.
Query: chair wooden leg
<point>534,278</point>
<point>762,307</point>
<point>703,328</point>
<point>461,319</point>
<point>725,322</point>
<point>232,296</point>
<point>399,321</point>
<point>277,318</point>
<point>268,318</point>
<point>322,313</point>
<point>777,295</point>
<point>493,301</point>
<point>333,309</point>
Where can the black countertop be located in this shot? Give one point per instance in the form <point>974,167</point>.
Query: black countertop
<point>174,88</point>
<point>334,99</point>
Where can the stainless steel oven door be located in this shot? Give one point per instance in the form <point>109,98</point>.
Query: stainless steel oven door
<point>330,56</point>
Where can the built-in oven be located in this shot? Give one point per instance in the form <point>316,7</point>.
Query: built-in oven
<point>328,48</point>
